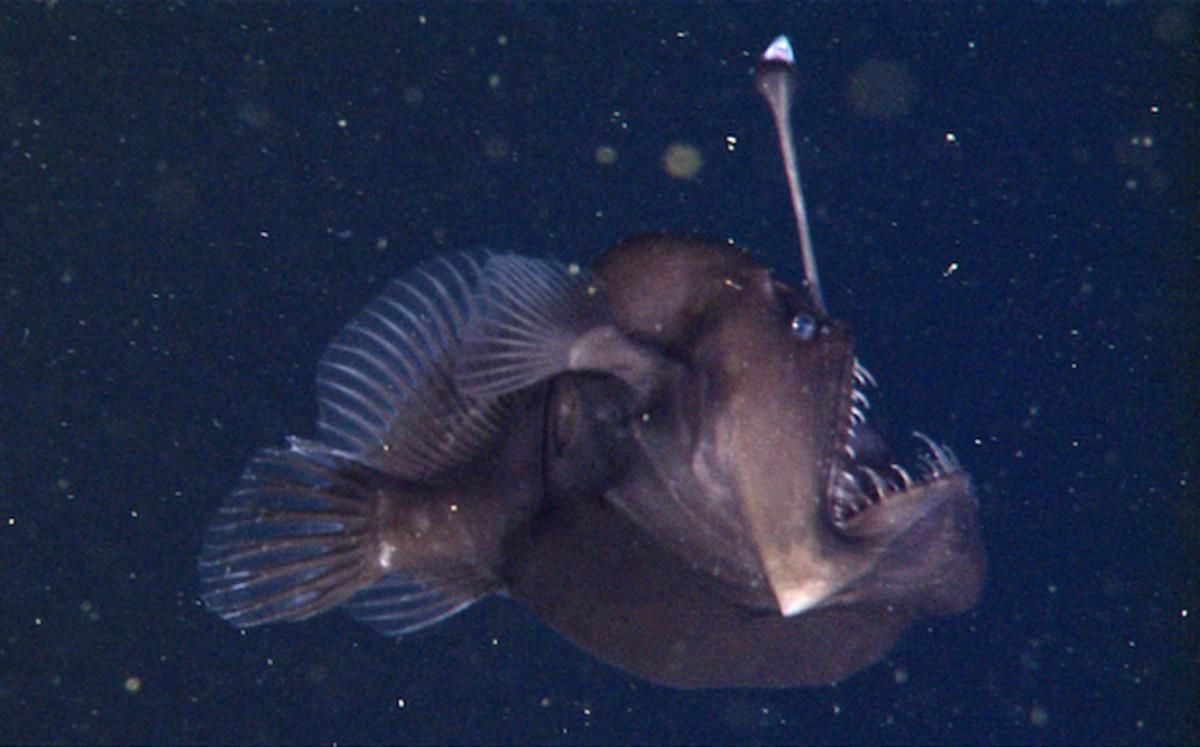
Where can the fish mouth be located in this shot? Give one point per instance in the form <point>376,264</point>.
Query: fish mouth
<point>866,473</point>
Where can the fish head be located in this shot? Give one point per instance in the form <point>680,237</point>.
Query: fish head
<point>761,464</point>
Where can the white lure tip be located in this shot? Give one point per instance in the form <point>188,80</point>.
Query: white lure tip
<point>780,51</point>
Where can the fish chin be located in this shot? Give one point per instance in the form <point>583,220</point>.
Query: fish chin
<point>918,525</point>
<point>912,529</point>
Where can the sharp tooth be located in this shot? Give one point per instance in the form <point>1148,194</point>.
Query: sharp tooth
<point>862,375</point>
<point>881,486</point>
<point>931,467</point>
<point>908,481</point>
<point>860,398</point>
<point>942,459</point>
<point>950,459</point>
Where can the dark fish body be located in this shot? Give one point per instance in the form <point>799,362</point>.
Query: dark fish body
<point>666,456</point>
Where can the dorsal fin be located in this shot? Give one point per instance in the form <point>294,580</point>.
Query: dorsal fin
<point>385,387</point>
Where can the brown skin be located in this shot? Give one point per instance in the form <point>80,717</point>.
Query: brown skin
<point>679,567</point>
<point>665,499</point>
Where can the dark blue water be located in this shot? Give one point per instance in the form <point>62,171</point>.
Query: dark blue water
<point>194,198</point>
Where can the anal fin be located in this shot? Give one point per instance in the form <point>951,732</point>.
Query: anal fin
<point>401,603</point>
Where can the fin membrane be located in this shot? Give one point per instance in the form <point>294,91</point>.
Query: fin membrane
<point>291,541</point>
<point>385,387</point>
<point>532,314</point>
<point>401,603</point>
<point>296,539</point>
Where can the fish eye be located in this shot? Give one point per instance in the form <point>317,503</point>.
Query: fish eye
<point>801,321</point>
<point>803,326</point>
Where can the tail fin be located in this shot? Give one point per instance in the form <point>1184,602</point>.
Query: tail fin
<point>297,538</point>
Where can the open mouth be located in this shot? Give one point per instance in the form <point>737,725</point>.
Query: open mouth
<point>866,472</point>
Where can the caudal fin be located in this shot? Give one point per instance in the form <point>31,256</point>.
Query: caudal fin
<point>291,541</point>
<point>296,539</point>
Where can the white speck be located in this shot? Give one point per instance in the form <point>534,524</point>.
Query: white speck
<point>386,551</point>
